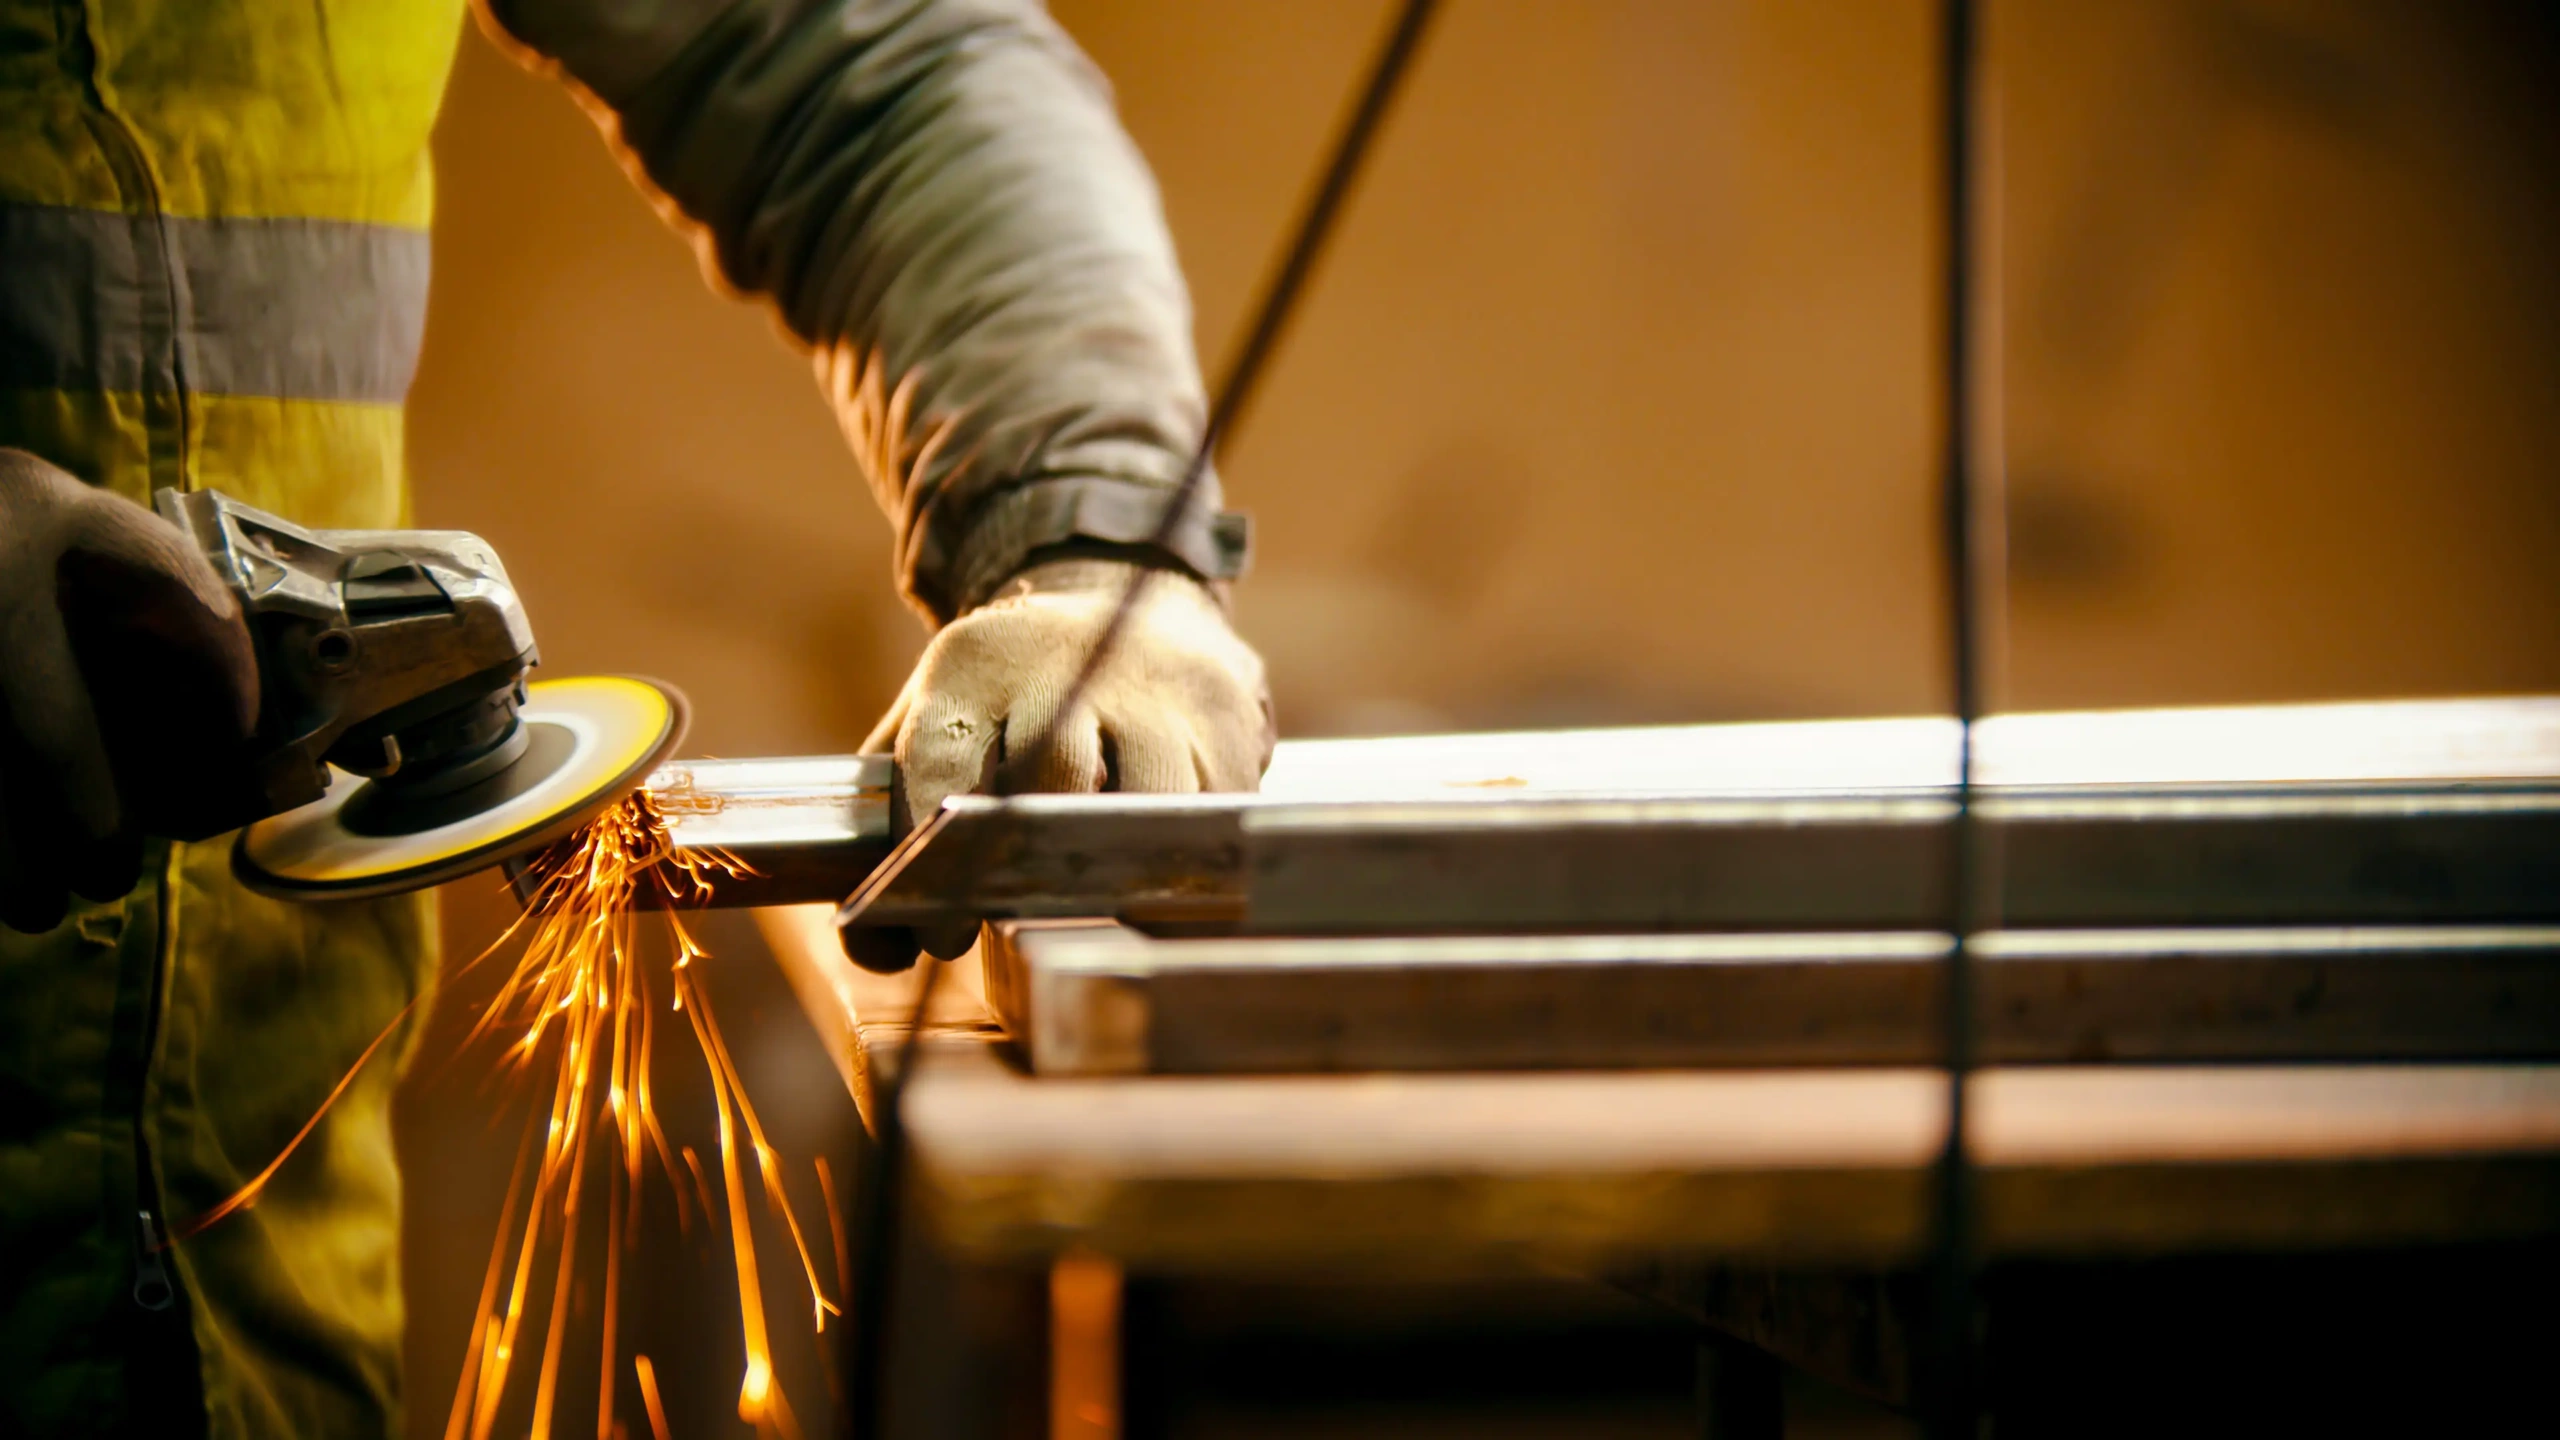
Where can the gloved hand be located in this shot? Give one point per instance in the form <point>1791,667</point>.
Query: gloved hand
<point>128,684</point>
<point>1181,705</point>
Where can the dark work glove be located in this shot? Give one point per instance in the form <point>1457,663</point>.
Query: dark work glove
<point>128,690</point>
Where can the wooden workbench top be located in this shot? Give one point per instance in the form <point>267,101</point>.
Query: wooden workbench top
<point>1493,1172</point>
<point>1485,1171</point>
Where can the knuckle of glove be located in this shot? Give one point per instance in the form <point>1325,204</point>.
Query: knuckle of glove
<point>944,749</point>
<point>1182,703</point>
<point>1192,673</point>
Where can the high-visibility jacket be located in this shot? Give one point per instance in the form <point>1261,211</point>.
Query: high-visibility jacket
<point>213,271</point>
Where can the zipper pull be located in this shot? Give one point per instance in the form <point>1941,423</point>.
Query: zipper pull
<point>152,1289</point>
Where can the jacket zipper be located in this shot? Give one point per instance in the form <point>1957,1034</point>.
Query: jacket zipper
<point>154,254</point>
<point>152,1287</point>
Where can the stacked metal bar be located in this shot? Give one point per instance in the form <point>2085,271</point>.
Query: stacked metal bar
<point>1089,998</point>
<point>2303,882</point>
<point>2417,812</point>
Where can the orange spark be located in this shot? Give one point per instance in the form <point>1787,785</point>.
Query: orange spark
<point>578,1005</point>
<point>649,1396</point>
<point>578,995</point>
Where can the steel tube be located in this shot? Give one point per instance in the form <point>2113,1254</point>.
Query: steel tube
<point>2332,814</point>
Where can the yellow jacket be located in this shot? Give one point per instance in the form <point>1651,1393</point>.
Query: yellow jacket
<point>213,271</point>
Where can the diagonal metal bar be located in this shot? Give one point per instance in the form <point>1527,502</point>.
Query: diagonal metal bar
<point>879,1238</point>
<point>1271,317</point>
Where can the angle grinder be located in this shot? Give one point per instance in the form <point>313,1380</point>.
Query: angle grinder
<point>399,743</point>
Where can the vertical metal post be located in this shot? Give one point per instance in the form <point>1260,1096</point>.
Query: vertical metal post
<point>1262,334</point>
<point>1952,1377</point>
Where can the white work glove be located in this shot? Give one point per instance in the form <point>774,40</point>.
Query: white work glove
<point>128,689</point>
<point>1181,705</point>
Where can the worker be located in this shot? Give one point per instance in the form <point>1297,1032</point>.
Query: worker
<point>213,271</point>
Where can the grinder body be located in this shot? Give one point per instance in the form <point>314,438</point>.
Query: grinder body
<point>398,742</point>
<point>397,655</point>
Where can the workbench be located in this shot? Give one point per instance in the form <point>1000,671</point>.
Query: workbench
<point>1781,1209</point>
<point>2317,1145</point>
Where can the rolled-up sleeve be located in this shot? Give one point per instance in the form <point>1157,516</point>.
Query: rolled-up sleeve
<point>940,189</point>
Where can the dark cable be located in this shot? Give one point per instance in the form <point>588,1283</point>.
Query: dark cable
<point>1279,301</point>
<point>875,1254</point>
<point>1953,1393</point>
<point>877,1245</point>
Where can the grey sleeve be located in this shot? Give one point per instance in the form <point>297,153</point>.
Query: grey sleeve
<point>938,188</point>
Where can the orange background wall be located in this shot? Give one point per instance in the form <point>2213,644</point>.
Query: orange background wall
<point>1613,402</point>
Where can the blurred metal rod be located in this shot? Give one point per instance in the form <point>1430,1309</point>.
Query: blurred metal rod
<point>1086,998</point>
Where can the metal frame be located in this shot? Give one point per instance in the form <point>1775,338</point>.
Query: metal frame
<point>1085,998</point>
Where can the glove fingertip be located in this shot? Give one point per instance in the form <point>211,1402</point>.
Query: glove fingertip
<point>949,940</point>
<point>880,949</point>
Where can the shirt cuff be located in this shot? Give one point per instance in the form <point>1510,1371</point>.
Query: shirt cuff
<point>1010,526</point>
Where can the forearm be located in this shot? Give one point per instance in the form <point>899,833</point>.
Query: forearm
<point>934,192</point>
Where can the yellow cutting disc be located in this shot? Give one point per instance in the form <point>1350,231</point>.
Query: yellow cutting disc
<point>591,741</point>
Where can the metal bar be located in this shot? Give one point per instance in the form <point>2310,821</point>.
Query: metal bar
<point>2253,745</point>
<point>814,828</point>
<point>2118,858</point>
<point>1952,1409</point>
<point>804,829</point>
<point>2094,857</point>
<point>1097,999</point>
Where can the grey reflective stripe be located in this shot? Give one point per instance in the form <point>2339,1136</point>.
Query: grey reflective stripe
<point>290,309</point>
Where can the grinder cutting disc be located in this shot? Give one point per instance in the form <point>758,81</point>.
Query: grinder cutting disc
<point>590,742</point>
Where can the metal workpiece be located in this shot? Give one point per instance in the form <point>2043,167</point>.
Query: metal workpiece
<point>2082,856</point>
<point>2407,741</point>
<point>2092,856</point>
<point>1100,999</point>
<point>1164,859</point>
<point>1845,861</point>
<point>797,830</point>
<point>2303,814</point>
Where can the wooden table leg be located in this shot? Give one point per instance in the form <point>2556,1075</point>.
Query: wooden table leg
<point>1084,1348</point>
